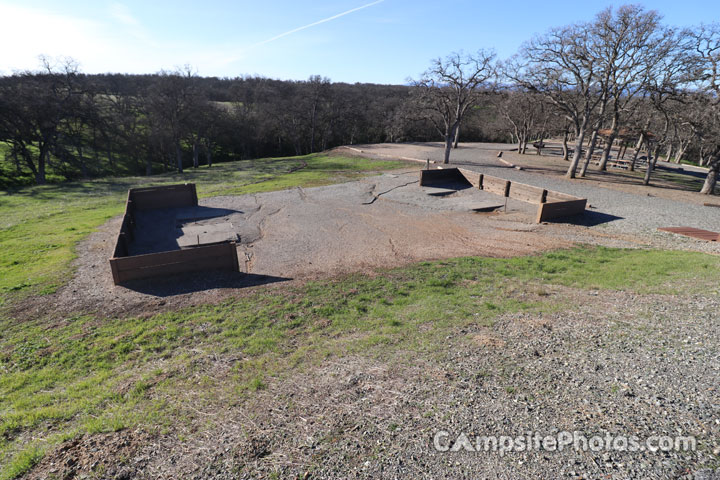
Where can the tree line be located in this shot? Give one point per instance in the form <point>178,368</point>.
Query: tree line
<point>622,78</point>
<point>59,123</point>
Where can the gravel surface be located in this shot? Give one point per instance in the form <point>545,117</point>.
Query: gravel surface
<point>617,364</point>
<point>611,211</point>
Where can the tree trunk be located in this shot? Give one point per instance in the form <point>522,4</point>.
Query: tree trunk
<point>40,173</point>
<point>565,146</point>
<point>208,152</point>
<point>457,137</point>
<point>638,147</point>
<point>148,166</point>
<point>578,150</point>
<point>711,179</point>
<point>606,152</point>
<point>680,153</point>
<point>668,154</point>
<point>682,146</point>
<point>590,151</point>
<point>178,155</point>
<point>655,154</point>
<point>196,160</point>
<point>449,139</point>
<point>649,168</point>
<point>448,147</point>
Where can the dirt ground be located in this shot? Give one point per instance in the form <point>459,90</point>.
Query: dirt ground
<point>551,164</point>
<point>376,222</point>
<point>358,417</point>
<point>300,234</point>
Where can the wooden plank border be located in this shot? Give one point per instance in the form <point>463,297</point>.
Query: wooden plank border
<point>547,211</point>
<point>551,204</point>
<point>125,267</point>
<point>166,196</point>
<point>222,256</point>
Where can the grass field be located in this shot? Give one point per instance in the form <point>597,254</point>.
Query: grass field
<point>86,374</point>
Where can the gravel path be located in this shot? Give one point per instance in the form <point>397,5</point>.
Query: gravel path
<point>617,364</point>
<point>611,211</point>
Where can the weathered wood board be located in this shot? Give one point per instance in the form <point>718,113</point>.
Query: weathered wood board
<point>214,246</point>
<point>222,256</point>
<point>551,204</point>
<point>547,211</point>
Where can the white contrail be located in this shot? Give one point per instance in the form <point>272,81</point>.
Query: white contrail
<point>309,25</point>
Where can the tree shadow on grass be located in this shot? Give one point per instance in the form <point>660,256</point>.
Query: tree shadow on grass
<point>199,281</point>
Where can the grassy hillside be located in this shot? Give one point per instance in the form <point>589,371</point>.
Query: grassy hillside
<point>86,374</point>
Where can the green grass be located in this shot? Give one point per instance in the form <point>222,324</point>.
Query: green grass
<point>85,374</point>
<point>645,271</point>
<point>39,226</point>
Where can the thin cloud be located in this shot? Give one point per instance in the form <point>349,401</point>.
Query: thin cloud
<point>310,25</point>
<point>123,16</point>
<point>121,13</point>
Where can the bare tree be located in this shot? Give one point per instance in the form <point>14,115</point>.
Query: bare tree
<point>450,87</point>
<point>560,65</point>
<point>705,41</point>
<point>630,46</point>
<point>33,106</point>
<point>172,103</point>
<point>527,114</point>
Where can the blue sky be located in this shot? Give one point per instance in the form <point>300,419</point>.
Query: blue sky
<point>381,41</point>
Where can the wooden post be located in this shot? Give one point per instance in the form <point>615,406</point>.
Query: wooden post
<point>115,273</point>
<point>507,193</point>
<point>480,184</point>
<point>543,196</point>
